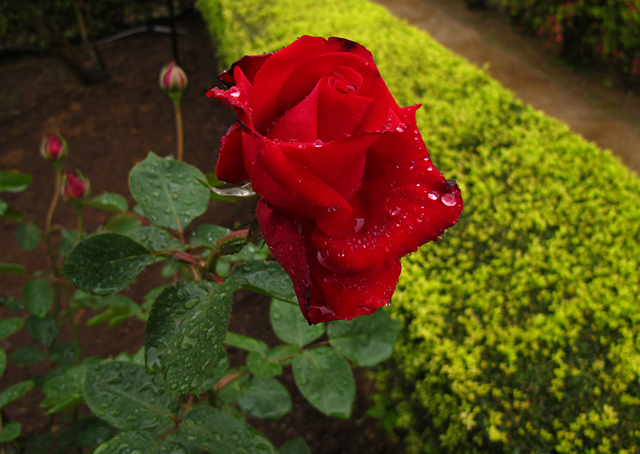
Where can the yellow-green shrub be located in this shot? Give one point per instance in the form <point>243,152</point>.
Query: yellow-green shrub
<point>521,328</point>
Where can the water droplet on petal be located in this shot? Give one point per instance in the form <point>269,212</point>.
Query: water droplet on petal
<point>234,91</point>
<point>433,195</point>
<point>400,127</point>
<point>449,200</point>
<point>317,143</point>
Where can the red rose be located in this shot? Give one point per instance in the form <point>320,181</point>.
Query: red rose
<point>346,182</point>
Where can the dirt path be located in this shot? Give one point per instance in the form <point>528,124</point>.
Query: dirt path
<point>610,117</point>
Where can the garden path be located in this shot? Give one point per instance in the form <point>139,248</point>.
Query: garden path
<point>608,116</point>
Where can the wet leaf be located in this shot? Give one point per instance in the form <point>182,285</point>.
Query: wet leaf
<point>28,236</point>
<point>366,340</point>
<point>119,309</point>
<point>15,392</point>
<point>11,303</point>
<point>63,354</point>
<point>64,391</point>
<point>90,431</point>
<point>265,398</point>
<point>42,330</point>
<point>267,278</point>
<point>230,392</point>
<point>295,446</point>
<point>242,192</point>
<point>290,326</point>
<point>215,431</point>
<point>38,296</point>
<point>218,371</point>
<point>325,379</point>
<point>106,263</point>
<point>14,181</point>
<point>154,238</point>
<point>246,343</point>
<point>124,395</point>
<point>185,330</point>
<point>142,443</point>
<point>10,431</point>
<point>109,202</point>
<point>8,326</point>
<point>206,235</point>
<point>261,366</point>
<point>168,192</point>
<point>27,356</point>
<point>123,222</point>
<point>12,268</point>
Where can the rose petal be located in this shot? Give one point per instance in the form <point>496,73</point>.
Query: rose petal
<point>249,64</point>
<point>230,167</point>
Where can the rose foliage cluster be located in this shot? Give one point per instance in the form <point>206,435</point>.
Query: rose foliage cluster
<point>347,185</point>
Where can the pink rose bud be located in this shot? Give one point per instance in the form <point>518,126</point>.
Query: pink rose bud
<point>75,186</point>
<point>54,148</point>
<point>173,79</point>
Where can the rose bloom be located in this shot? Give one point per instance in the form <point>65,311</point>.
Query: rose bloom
<point>346,183</point>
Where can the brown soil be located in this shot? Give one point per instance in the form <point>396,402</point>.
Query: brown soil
<point>110,127</point>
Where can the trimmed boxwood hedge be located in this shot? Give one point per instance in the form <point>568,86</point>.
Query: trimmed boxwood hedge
<point>521,327</point>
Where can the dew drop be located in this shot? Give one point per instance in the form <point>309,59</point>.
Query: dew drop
<point>449,200</point>
<point>387,248</point>
<point>317,143</point>
<point>412,165</point>
<point>400,127</point>
<point>234,91</point>
<point>433,195</point>
<point>396,212</point>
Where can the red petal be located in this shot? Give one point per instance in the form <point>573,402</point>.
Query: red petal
<point>230,167</point>
<point>249,64</point>
<point>288,248</point>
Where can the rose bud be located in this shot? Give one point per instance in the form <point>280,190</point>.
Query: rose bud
<point>75,186</point>
<point>54,148</point>
<point>346,183</point>
<point>173,80</point>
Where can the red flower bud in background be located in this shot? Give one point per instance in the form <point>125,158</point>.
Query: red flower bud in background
<point>54,148</point>
<point>173,80</point>
<point>75,186</point>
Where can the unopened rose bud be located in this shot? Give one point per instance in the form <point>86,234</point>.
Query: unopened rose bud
<point>173,80</point>
<point>54,148</point>
<point>75,186</point>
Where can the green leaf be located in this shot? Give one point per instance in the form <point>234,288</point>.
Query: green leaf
<point>142,443</point>
<point>123,222</point>
<point>168,192</point>
<point>154,238</point>
<point>219,369</point>
<point>90,431</point>
<point>325,379</point>
<point>15,392</point>
<point>170,269</point>
<point>11,303</point>
<point>42,330</point>
<point>27,356</point>
<point>267,278</point>
<point>295,446</point>
<point>119,309</point>
<point>246,343</point>
<point>206,235</point>
<point>8,326</point>
<point>10,431</point>
<point>64,391</point>
<point>124,395</point>
<point>185,331</point>
<point>28,236</point>
<point>244,191</point>
<point>283,354</point>
<point>215,431</point>
<point>3,361</point>
<point>366,340</point>
<point>14,181</point>
<point>230,391</point>
<point>38,296</point>
<point>13,214</point>
<point>290,326</point>
<point>150,297</point>
<point>106,263</point>
<point>12,268</point>
<point>108,201</point>
<point>212,181</point>
<point>69,241</point>
<point>3,207</point>
<point>63,354</point>
<point>265,398</point>
<point>260,366</point>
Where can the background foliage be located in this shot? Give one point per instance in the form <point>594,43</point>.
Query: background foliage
<point>519,330</point>
<point>591,31</point>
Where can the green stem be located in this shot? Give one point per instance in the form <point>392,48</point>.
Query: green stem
<point>79,211</point>
<point>179,130</point>
<point>47,230</point>
<point>233,237</point>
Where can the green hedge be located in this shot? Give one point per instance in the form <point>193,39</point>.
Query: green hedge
<point>582,30</point>
<point>521,328</point>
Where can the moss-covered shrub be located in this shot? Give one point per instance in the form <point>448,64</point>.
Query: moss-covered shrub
<point>521,329</point>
